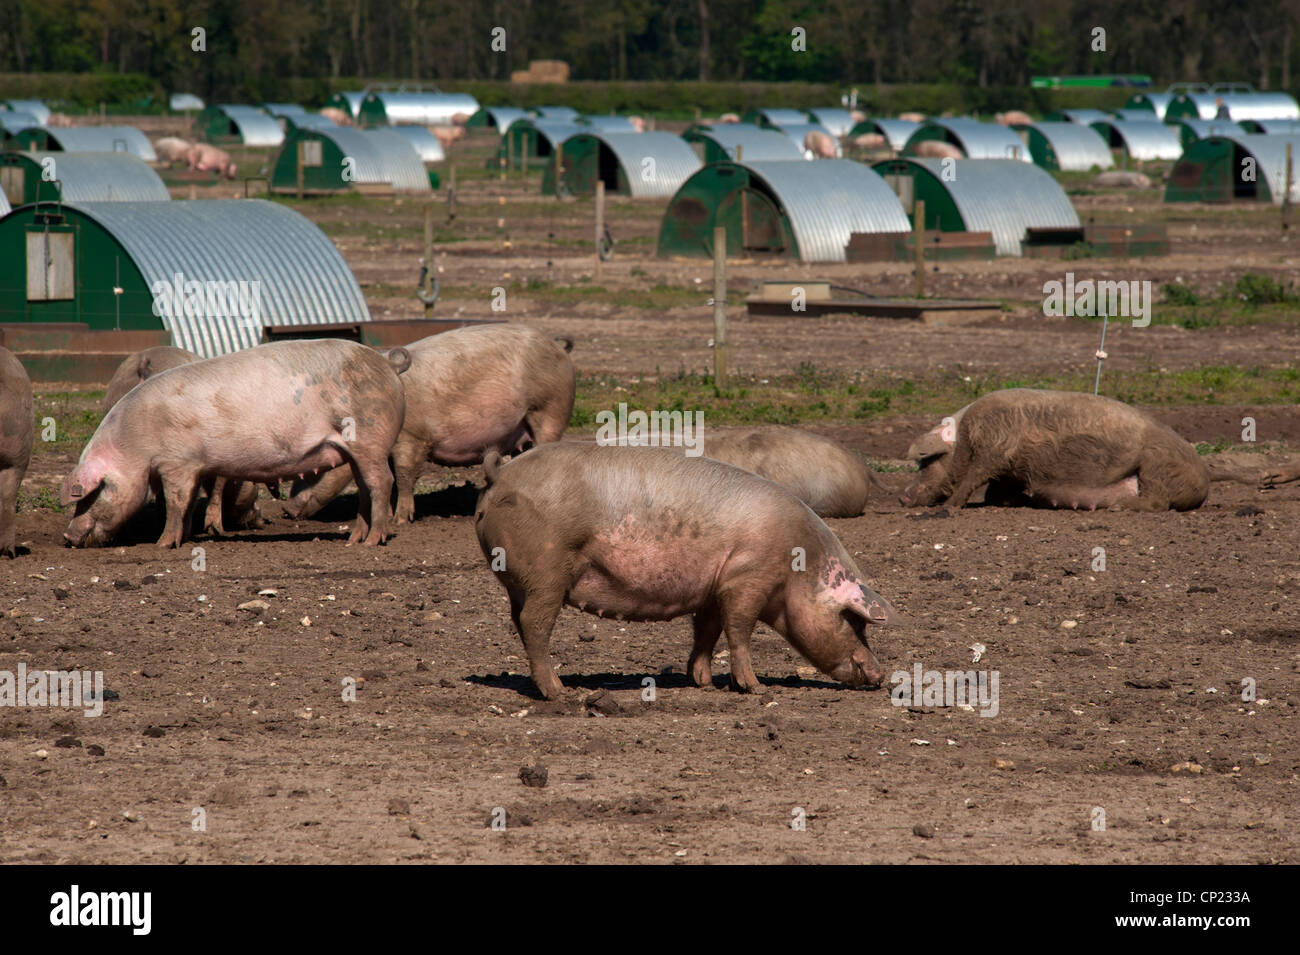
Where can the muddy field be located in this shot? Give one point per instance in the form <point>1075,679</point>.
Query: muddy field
<point>1121,690</point>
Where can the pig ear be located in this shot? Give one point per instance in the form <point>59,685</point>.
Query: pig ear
<point>928,445</point>
<point>84,479</point>
<point>871,607</point>
<point>145,368</point>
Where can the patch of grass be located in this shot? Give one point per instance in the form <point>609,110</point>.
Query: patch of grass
<point>45,499</point>
<point>1255,289</point>
<point>1176,293</point>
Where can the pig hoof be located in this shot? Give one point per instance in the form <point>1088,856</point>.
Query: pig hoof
<point>743,687</point>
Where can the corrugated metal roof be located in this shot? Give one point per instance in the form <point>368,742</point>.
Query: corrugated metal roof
<point>504,116</point>
<point>1133,115</point>
<point>1242,105</point>
<point>896,131</point>
<point>555,131</point>
<point>380,156</point>
<point>352,99</point>
<point>827,200</point>
<point>304,280</point>
<point>424,109</point>
<point>180,102</point>
<point>103,139</point>
<point>981,140</point>
<point>558,114</point>
<point>15,122</point>
<point>1078,148</point>
<point>315,121</point>
<point>102,177</point>
<point>284,109</point>
<point>608,124</point>
<point>1084,116</point>
<point>1159,102</point>
<point>426,144</point>
<point>5,208</point>
<point>1210,127</point>
<point>1004,197</point>
<point>756,145</point>
<point>255,127</point>
<point>1272,127</point>
<point>33,106</point>
<point>654,164</point>
<point>838,121</point>
<point>799,133</point>
<point>1270,161</point>
<point>1143,141</point>
<point>783,117</point>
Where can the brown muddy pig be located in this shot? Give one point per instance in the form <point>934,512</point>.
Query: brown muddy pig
<point>1056,449</point>
<point>502,387</point>
<point>648,534</point>
<point>826,476</point>
<point>936,149</point>
<point>256,415</point>
<point>16,434</point>
<point>231,503</point>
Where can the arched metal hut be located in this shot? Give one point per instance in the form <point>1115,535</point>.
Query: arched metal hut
<point>641,165</point>
<point>232,122</point>
<point>217,270</point>
<point>185,103</point>
<point>798,210</point>
<point>975,139</point>
<point>719,142</point>
<point>79,177</point>
<point>383,108</point>
<point>425,143</point>
<point>1069,147</point>
<point>535,140</point>
<point>1001,196</point>
<point>1082,116</point>
<point>497,117</point>
<point>839,121</point>
<point>1272,127</point>
<point>775,116</point>
<point>1213,170</point>
<point>896,131</point>
<point>608,124</point>
<point>1237,104</point>
<point>87,139</point>
<point>1141,141</point>
<point>348,101</point>
<point>557,114</point>
<point>1190,130</point>
<point>32,106</point>
<point>1154,103</point>
<point>343,158</point>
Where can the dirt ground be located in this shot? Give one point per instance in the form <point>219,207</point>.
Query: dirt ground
<point>1121,690</point>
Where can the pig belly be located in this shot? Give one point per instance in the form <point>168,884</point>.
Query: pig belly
<point>637,577</point>
<point>468,448</point>
<point>1082,497</point>
<point>271,461</point>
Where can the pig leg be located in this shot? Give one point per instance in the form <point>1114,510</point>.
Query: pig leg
<point>707,627</point>
<point>1282,475</point>
<point>546,424</point>
<point>408,457</point>
<point>968,474</point>
<point>10,479</point>
<point>534,616</point>
<point>180,489</point>
<point>309,497</point>
<point>738,621</point>
<point>374,487</point>
<point>212,519</point>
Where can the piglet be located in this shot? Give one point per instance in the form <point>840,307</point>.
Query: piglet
<point>649,534</point>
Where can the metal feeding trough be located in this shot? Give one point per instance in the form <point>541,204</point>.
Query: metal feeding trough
<point>820,297</point>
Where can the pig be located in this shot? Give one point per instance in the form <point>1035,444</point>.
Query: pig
<point>233,503</point>
<point>912,117</point>
<point>819,144</point>
<point>16,434</point>
<point>498,386</point>
<point>729,118</point>
<point>273,410</point>
<point>1119,179</point>
<point>870,141</point>
<point>59,120</point>
<point>638,123</point>
<point>937,149</point>
<point>649,534</point>
<point>826,476</point>
<point>1056,449</point>
<point>205,158</point>
<point>1013,117</point>
<point>172,149</point>
<point>459,119</point>
<point>1282,474</point>
<point>446,135</point>
<point>336,115</point>
<point>858,116</point>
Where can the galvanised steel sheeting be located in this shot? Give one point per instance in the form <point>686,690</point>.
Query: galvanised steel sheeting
<point>15,121</point>
<point>504,116</point>
<point>103,139</point>
<point>1078,148</point>
<point>353,100</point>
<point>1210,127</point>
<point>799,133</point>
<point>755,144</point>
<point>1159,103</point>
<point>103,177</point>
<point>315,121</point>
<point>1272,127</point>
<point>424,109</point>
<point>304,280</point>
<point>984,140</point>
<point>1084,116</point>
<point>896,131</point>
<point>838,121</point>
<point>33,106</point>
<point>1270,160</point>
<point>783,117</point>
<point>180,102</point>
<point>1143,141</point>
<point>426,144</point>
<point>557,114</point>
<point>402,165</point>
<point>1005,197</point>
<point>284,109</point>
<point>556,131</point>
<point>608,124</point>
<point>655,164</point>
<point>828,200</point>
<point>1133,115</point>
<point>5,208</point>
<point>1241,105</point>
<point>255,127</point>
